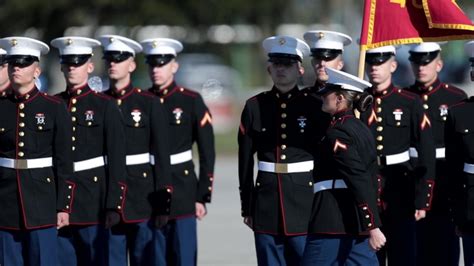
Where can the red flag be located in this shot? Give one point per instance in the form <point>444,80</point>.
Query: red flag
<point>394,22</point>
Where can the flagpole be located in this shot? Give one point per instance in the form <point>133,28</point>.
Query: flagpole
<point>361,71</point>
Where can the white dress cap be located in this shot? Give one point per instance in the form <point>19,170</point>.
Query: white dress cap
<point>383,49</point>
<point>286,45</point>
<point>425,47</point>
<point>73,45</point>
<point>346,81</point>
<point>24,46</point>
<point>119,44</point>
<point>321,39</point>
<point>469,48</point>
<point>161,46</point>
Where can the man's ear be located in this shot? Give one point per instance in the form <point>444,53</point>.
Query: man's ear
<point>90,67</point>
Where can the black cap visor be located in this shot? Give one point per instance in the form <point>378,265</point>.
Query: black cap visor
<point>328,87</point>
<point>376,59</point>
<point>283,59</point>
<point>472,61</point>
<point>3,59</point>
<point>159,60</point>
<point>74,59</point>
<point>116,56</point>
<point>325,54</point>
<point>423,58</point>
<point>21,60</point>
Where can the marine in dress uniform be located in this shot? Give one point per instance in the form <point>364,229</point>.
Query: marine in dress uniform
<point>189,122</point>
<point>35,161</point>
<point>4,80</point>
<point>344,224</point>
<point>397,121</point>
<point>98,186</point>
<point>459,140</point>
<point>441,248</point>
<point>146,131</point>
<point>327,48</point>
<point>283,127</point>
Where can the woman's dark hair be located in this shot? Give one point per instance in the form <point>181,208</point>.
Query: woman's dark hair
<point>357,100</point>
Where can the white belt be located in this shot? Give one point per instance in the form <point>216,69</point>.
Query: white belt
<point>89,164</point>
<point>138,159</point>
<point>469,168</point>
<point>394,158</point>
<point>329,184</point>
<point>181,157</point>
<point>26,163</point>
<point>285,168</point>
<point>440,153</point>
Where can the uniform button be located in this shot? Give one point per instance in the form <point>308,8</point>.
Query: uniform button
<point>21,106</point>
<point>367,216</point>
<point>119,102</point>
<point>364,208</point>
<point>22,124</point>
<point>178,121</point>
<point>73,138</point>
<point>21,144</point>
<point>211,179</point>
<point>22,114</point>
<point>379,138</point>
<point>444,118</point>
<point>89,123</point>
<point>310,183</point>
<point>379,129</point>
<point>74,101</point>
<point>466,130</point>
<point>2,129</point>
<point>283,105</point>
<point>430,88</point>
<point>283,125</point>
<point>283,115</point>
<point>119,207</point>
<point>427,204</point>
<point>370,224</point>
<point>145,174</point>
<point>162,100</point>
<point>73,128</point>
<point>21,154</point>
<point>121,197</point>
<point>69,196</point>
<point>379,147</point>
<point>137,124</point>
<point>264,129</point>
<point>122,187</point>
<point>378,101</point>
<point>283,136</point>
<point>379,109</point>
<point>283,157</point>
<point>96,179</point>
<point>73,119</point>
<point>258,184</point>
<point>78,92</point>
<point>69,187</point>
<point>67,206</point>
<point>379,119</point>
<point>168,190</point>
<point>48,180</point>
<point>425,97</point>
<point>283,147</point>
<point>73,109</point>
<point>428,195</point>
<point>209,188</point>
<point>429,185</point>
<point>398,124</point>
<point>73,148</point>
<point>425,106</point>
<point>40,128</point>
<point>21,133</point>
<point>186,172</point>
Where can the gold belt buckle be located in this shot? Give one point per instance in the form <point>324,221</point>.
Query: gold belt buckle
<point>281,168</point>
<point>21,164</point>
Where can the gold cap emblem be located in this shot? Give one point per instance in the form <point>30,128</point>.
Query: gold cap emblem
<point>69,42</point>
<point>282,41</point>
<point>13,42</point>
<point>111,39</point>
<point>154,44</point>
<point>321,35</point>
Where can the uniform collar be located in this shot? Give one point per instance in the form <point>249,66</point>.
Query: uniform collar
<point>6,92</point>
<point>120,93</point>
<point>383,93</point>
<point>25,97</point>
<point>318,84</point>
<point>341,114</point>
<point>163,91</point>
<point>78,91</point>
<point>421,88</point>
<point>285,96</point>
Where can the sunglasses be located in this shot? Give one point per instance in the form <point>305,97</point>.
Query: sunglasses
<point>21,61</point>
<point>116,57</point>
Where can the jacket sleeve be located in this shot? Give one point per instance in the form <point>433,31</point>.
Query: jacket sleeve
<point>115,150</point>
<point>357,175</point>
<point>423,141</point>
<point>454,158</point>
<point>63,158</point>
<point>204,136</point>
<point>161,151</point>
<point>246,161</point>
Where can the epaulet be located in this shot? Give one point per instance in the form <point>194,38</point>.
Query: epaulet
<point>102,95</point>
<point>54,99</point>
<point>453,89</point>
<point>407,94</point>
<point>188,92</point>
<point>145,93</point>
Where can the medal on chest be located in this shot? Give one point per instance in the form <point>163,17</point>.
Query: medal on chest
<point>136,116</point>
<point>178,112</point>
<point>40,118</point>
<point>301,123</point>
<point>443,111</point>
